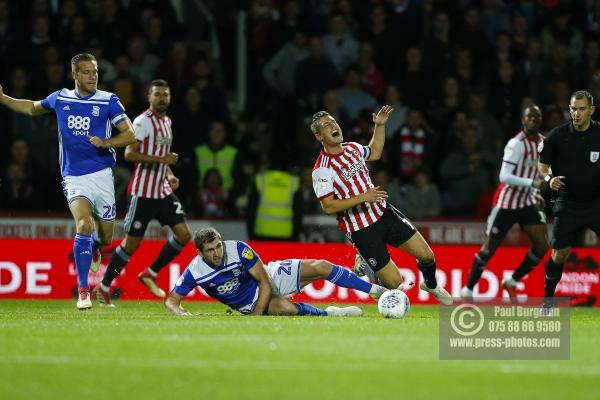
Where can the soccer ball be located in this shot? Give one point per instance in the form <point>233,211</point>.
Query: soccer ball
<point>393,304</point>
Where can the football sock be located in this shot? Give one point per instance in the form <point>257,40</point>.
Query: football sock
<point>118,261</point>
<point>82,252</point>
<point>526,266</point>
<point>479,263</point>
<point>95,242</point>
<point>428,271</point>
<point>168,252</point>
<point>553,274</point>
<point>344,278</point>
<point>307,309</point>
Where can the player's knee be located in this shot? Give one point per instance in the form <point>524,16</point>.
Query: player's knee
<point>85,225</point>
<point>104,239</point>
<point>323,268</point>
<point>184,236</point>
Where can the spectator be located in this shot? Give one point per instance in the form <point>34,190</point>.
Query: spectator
<point>217,154</point>
<point>315,74</point>
<point>212,196</point>
<point>372,79</point>
<point>467,171</point>
<point>352,97</point>
<point>339,44</point>
<point>279,71</point>
<point>16,191</point>
<point>421,198</point>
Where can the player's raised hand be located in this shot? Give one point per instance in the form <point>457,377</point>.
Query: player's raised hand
<point>171,158</point>
<point>382,115</point>
<point>373,195</point>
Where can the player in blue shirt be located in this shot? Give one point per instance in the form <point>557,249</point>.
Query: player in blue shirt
<point>86,152</point>
<point>231,272</point>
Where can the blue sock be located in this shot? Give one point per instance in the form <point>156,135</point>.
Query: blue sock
<point>95,244</point>
<point>344,278</point>
<point>82,251</point>
<point>307,309</point>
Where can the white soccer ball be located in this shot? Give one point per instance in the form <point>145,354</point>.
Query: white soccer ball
<point>393,304</point>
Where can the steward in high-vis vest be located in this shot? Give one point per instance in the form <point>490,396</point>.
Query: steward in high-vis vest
<point>216,154</point>
<point>274,210</point>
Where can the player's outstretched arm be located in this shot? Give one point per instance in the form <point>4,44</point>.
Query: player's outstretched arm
<point>378,139</point>
<point>133,154</point>
<point>331,205</point>
<point>259,273</point>
<point>173,304</point>
<point>122,139</point>
<point>22,106</point>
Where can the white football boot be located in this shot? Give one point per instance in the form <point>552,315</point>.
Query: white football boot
<point>84,302</point>
<point>439,292</point>
<point>351,311</point>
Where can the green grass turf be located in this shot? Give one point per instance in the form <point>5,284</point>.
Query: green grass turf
<point>48,350</point>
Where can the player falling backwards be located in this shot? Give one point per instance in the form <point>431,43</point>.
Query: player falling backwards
<point>515,201</point>
<point>86,153</point>
<point>231,272</point>
<point>341,182</point>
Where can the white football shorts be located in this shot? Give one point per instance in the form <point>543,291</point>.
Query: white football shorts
<point>98,188</point>
<point>285,276</point>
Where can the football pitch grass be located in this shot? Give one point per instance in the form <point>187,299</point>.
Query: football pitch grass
<point>49,350</point>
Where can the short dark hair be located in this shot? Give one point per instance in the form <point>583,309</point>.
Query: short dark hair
<point>157,83</point>
<point>314,124</point>
<point>205,235</point>
<point>583,94</point>
<point>81,57</point>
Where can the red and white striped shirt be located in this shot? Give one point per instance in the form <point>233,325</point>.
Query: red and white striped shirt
<point>522,156</point>
<point>155,137</point>
<point>345,175</point>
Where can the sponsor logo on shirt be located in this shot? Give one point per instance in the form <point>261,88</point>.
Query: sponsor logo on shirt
<point>351,171</point>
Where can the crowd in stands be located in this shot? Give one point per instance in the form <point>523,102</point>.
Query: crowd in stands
<point>457,73</point>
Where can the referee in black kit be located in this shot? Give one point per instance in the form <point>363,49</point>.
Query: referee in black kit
<point>570,163</point>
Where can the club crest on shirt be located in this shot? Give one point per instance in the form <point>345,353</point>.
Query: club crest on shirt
<point>248,254</point>
<point>594,155</point>
<point>95,111</point>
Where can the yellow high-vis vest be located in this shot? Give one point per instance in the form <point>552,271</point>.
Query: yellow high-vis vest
<point>222,160</point>
<point>274,217</point>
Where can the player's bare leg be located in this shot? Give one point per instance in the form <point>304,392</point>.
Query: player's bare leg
<point>538,235</point>
<point>81,209</point>
<point>311,270</point>
<point>417,247</point>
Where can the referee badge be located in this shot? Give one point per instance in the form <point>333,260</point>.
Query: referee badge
<point>594,155</point>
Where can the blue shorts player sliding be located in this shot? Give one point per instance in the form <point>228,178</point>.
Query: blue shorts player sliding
<point>231,272</point>
<point>86,152</point>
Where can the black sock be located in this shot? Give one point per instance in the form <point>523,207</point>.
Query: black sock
<point>553,274</point>
<point>168,252</point>
<point>526,266</point>
<point>428,268</point>
<point>118,261</point>
<point>479,263</point>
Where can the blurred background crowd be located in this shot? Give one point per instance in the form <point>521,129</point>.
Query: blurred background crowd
<point>457,73</point>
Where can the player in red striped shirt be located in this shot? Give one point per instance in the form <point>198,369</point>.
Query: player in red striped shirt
<point>150,194</point>
<point>341,182</point>
<point>515,201</point>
